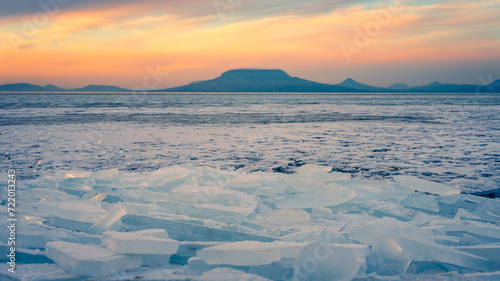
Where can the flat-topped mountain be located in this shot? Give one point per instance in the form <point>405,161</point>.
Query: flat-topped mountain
<point>258,80</point>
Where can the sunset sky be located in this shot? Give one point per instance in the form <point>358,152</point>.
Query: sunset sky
<point>73,43</point>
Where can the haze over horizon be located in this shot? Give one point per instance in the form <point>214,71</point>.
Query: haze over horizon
<point>75,43</point>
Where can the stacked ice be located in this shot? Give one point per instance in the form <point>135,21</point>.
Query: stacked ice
<point>198,223</point>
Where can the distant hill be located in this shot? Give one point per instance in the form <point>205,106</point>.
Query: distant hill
<point>21,87</point>
<point>350,83</point>
<point>25,87</point>
<point>436,87</point>
<point>399,86</point>
<point>53,88</point>
<point>100,88</point>
<point>258,80</point>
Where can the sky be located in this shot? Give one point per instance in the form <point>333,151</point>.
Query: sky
<point>157,44</point>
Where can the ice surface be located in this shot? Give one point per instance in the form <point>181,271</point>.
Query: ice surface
<point>331,195</point>
<point>89,260</point>
<point>244,253</point>
<point>152,242</point>
<point>414,183</point>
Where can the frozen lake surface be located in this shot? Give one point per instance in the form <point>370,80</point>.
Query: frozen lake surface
<point>250,187</point>
<point>447,138</point>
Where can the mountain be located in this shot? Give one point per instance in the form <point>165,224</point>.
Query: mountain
<point>52,88</point>
<point>399,86</point>
<point>490,88</point>
<point>21,87</point>
<point>350,83</point>
<point>258,80</point>
<point>436,87</point>
<point>100,88</point>
<point>271,80</point>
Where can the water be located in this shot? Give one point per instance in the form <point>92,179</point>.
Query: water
<point>449,138</point>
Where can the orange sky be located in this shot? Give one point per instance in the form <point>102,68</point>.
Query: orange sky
<point>121,42</point>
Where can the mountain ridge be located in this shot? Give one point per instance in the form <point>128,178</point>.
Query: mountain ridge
<point>270,80</point>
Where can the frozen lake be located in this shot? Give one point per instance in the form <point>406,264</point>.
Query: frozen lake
<point>447,138</point>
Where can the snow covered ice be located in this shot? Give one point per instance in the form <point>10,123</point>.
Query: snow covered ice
<point>209,224</point>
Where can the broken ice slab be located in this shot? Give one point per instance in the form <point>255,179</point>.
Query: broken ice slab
<point>388,259</point>
<point>223,273</point>
<point>218,212</point>
<point>189,248</point>
<point>331,195</point>
<point>37,235</point>
<point>289,250</point>
<point>51,194</point>
<point>421,250</point>
<point>489,210</point>
<point>321,213</point>
<point>426,203</point>
<point>183,230</point>
<point>414,183</point>
<point>106,221</point>
<point>309,169</point>
<point>89,260</point>
<point>305,184</point>
<point>285,216</point>
<point>244,181</point>
<point>74,174</point>
<point>152,242</point>
<point>108,174</point>
<point>374,232</point>
<point>243,253</point>
<point>280,270</point>
<point>88,211</point>
<point>202,195</point>
<point>490,252</point>
<point>485,232</point>
<point>321,235</point>
<point>112,220</point>
<point>165,175</point>
<point>329,262</point>
<point>449,205</point>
